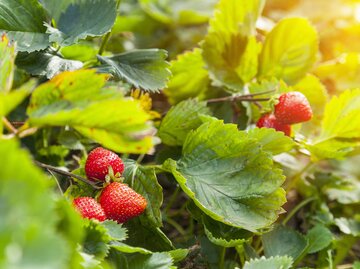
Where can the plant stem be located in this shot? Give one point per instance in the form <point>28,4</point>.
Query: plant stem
<point>222,258</point>
<point>65,173</point>
<point>244,97</point>
<point>9,126</point>
<point>172,200</point>
<point>297,208</point>
<point>56,180</point>
<point>107,36</point>
<point>297,176</point>
<point>176,226</point>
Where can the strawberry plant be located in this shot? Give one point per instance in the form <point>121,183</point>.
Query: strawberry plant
<point>179,134</point>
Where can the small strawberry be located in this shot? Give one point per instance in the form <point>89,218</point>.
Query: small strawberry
<point>269,121</point>
<point>293,107</point>
<point>89,208</point>
<point>98,163</point>
<point>121,203</point>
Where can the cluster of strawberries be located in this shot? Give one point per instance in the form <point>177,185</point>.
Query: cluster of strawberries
<point>292,108</point>
<point>117,200</point>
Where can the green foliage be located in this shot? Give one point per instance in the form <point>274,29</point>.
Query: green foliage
<point>285,241</point>
<point>219,170</point>
<point>145,69</point>
<point>180,120</point>
<point>82,19</point>
<point>63,101</point>
<point>277,262</point>
<point>143,180</point>
<point>190,79</point>
<point>23,21</point>
<point>319,238</point>
<point>289,50</point>
<point>7,53</point>
<point>340,127</point>
<point>230,49</point>
<point>28,227</point>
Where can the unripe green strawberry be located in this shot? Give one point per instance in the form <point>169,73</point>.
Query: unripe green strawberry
<point>269,121</point>
<point>89,208</point>
<point>98,163</point>
<point>121,203</point>
<point>293,107</point>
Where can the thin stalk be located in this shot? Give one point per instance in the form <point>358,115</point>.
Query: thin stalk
<point>65,173</point>
<point>107,36</point>
<point>9,126</point>
<point>176,226</point>
<point>56,180</point>
<point>294,180</point>
<point>297,208</point>
<point>244,97</point>
<point>172,200</point>
<point>222,258</point>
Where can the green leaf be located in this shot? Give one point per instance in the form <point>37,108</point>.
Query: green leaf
<point>190,78</point>
<point>147,236</point>
<point>10,101</point>
<point>23,21</point>
<point>96,239</point>
<point>81,52</point>
<point>35,236</point>
<point>349,226</point>
<point>152,261</point>
<point>344,190</point>
<point>278,262</point>
<point>230,49</point>
<point>319,237</point>
<point>340,127</point>
<point>285,241</point>
<point>114,230</point>
<point>145,69</point>
<point>55,7</point>
<point>77,99</point>
<point>229,176</point>
<point>143,180</point>
<point>44,63</point>
<point>289,50</point>
<point>7,54</point>
<point>178,254</point>
<point>271,140</point>
<point>217,232</point>
<point>124,248</point>
<point>180,120</point>
<point>83,19</point>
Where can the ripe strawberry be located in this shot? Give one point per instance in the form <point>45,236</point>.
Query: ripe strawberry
<point>89,208</point>
<point>269,121</point>
<point>121,203</point>
<point>293,107</point>
<point>98,163</point>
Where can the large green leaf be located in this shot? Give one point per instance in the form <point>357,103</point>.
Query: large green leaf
<point>230,49</point>
<point>55,7</point>
<point>289,50</point>
<point>45,63</point>
<point>180,120</point>
<point>34,236</point>
<point>23,20</point>
<point>83,19</point>
<point>278,262</point>
<point>143,180</point>
<point>285,241</point>
<point>7,56</point>
<point>145,69</point>
<point>190,78</point>
<point>340,127</point>
<point>229,176</point>
<point>349,226</point>
<point>319,237</point>
<point>77,99</point>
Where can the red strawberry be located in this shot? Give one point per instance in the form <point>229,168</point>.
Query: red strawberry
<point>269,121</point>
<point>121,203</point>
<point>89,208</point>
<point>98,163</point>
<point>293,107</point>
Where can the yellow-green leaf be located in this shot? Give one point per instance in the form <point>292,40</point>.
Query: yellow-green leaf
<point>289,50</point>
<point>230,49</point>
